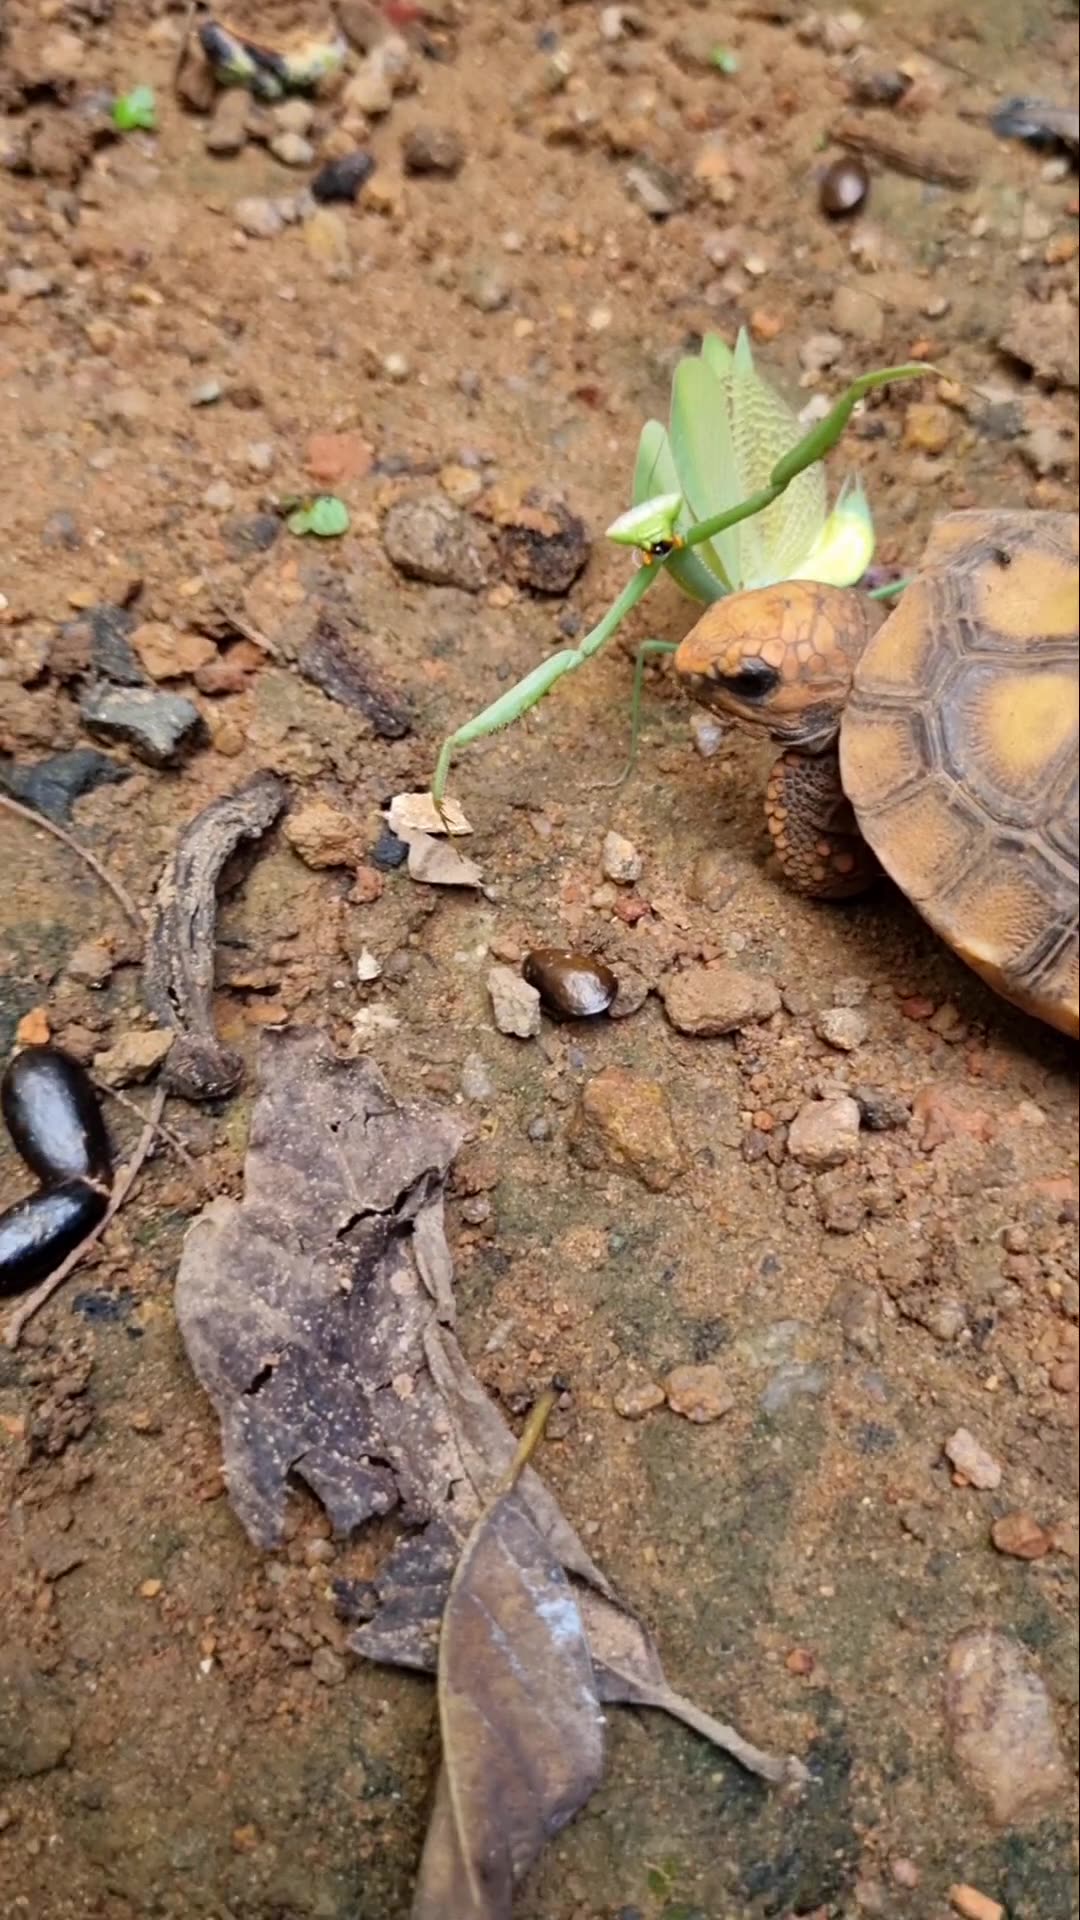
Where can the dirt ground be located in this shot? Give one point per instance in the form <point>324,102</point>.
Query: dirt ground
<point>171,1743</point>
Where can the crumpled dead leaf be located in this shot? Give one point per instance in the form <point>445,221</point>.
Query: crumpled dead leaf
<point>318,1315</point>
<point>440,864</point>
<point>519,1715</point>
<point>410,813</point>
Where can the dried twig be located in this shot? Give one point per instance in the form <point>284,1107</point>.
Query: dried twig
<point>165,1133</point>
<point>49,826</point>
<point>178,976</point>
<point>122,1186</point>
<point>919,162</point>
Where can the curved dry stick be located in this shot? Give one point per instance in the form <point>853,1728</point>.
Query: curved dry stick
<point>122,1186</point>
<point>49,826</point>
<point>164,1133</point>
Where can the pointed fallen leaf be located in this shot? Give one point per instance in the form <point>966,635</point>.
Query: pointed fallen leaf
<point>521,1724</point>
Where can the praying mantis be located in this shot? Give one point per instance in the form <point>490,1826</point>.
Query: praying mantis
<point>730,434</point>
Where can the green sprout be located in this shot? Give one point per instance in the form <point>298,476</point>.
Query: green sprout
<point>326,516</point>
<point>727,497</point>
<point>135,112</point>
<point>724,60</point>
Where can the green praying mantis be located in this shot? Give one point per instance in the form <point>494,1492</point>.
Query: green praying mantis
<point>726,497</point>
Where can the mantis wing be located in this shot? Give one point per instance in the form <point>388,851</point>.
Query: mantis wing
<point>704,457</point>
<point>764,428</point>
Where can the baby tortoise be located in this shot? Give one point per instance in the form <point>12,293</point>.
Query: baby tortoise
<point>941,744</point>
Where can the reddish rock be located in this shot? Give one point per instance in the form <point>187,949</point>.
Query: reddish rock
<point>1020,1535</point>
<point>700,1394</point>
<point>707,1001</point>
<point>625,1121</point>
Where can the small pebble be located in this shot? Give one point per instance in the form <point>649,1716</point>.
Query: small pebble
<point>342,179</point>
<point>620,860</point>
<point>905,1872</point>
<point>322,836</point>
<point>295,115</point>
<point>259,218</point>
<point>433,149</point>
<point>881,1110</point>
<point>428,539</point>
<point>633,1402</point>
<point>972,1460</point>
<point>699,1394</point>
<point>1020,1536</point>
<point>227,132</point>
<point>575,986</point>
<point>160,728</point>
<point>328,1667</point>
<point>708,733</point>
<point>625,1121</point>
<point>708,1001</point>
<point>292,149</point>
<point>389,852</point>
<point>133,1058</point>
<point>928,426</point>
<point>486,288</point>
<point>655,188</point>
<point>820,351</point>
<point>515,1005</point>
<point>825,1133</point>
<point>844,1028</point>
<point>1002,1727</point>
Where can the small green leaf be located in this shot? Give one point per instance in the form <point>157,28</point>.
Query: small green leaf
<point>724,60</point>
<point>135,111</point>
<point>326,516</point>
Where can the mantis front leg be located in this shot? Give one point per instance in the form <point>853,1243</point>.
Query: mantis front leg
<point>528,692</point>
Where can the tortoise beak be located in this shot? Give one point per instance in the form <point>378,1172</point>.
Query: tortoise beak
<point>696,655</point>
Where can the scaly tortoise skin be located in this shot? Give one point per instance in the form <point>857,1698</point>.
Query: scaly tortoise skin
<point>942,744</point>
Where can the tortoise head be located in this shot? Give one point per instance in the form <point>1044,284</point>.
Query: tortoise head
<point>780,658</point>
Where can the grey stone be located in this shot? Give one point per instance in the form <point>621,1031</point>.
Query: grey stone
<point>428,539</point>
<point>160,728</point>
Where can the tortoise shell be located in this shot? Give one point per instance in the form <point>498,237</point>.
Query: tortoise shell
<point>958,750</point>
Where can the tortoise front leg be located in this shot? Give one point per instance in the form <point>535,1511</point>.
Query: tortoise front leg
<point>814,830</point>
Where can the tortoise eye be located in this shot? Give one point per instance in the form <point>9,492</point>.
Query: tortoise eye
<point>753,681</point>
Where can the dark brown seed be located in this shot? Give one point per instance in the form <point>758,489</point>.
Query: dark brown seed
<point>53,1116</point>
<point>844,187</point>
<point>572,985</point>
<point>40,1231</point>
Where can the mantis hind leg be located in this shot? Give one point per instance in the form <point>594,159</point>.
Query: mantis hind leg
<point>814,830</point>
<point>647,651</point>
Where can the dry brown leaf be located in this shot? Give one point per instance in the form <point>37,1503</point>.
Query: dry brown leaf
<point>439,864</point>
<point>521,1725</point>
<point>303,1304</point>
